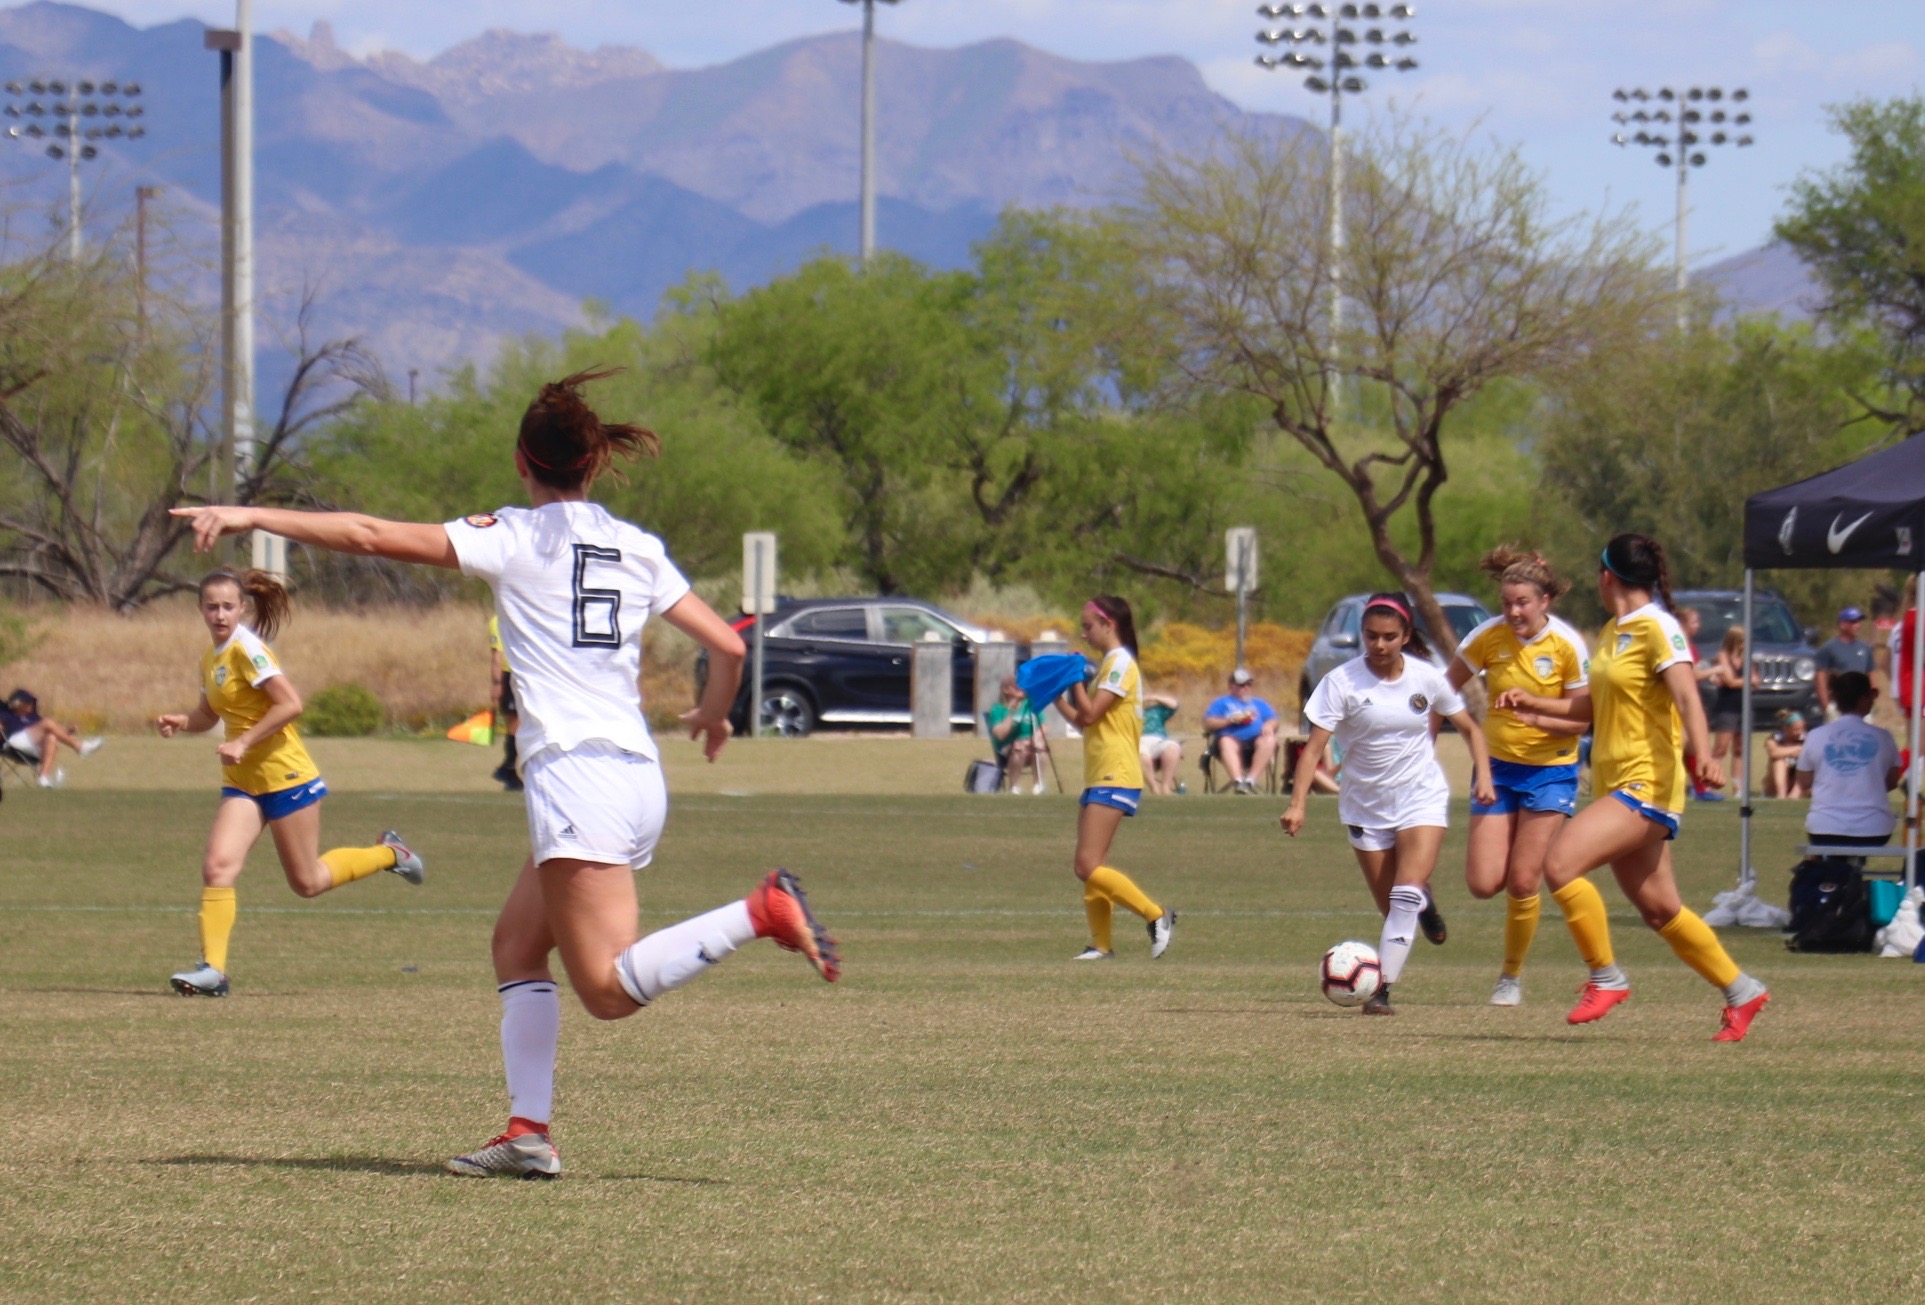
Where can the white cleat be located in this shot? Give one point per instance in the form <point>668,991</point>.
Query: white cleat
<point>203,982</point>
<point>1162,929</point>
<point>90,746</point>
<point>1092,954</point>
<point>406,863</point>
<point>56,780</point>
<point>531,1155</point>
<point>1508,992</point>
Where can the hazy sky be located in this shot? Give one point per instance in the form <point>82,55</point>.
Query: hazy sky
<point>1535,72</point>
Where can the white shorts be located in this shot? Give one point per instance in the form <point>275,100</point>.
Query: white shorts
<point>1153,746</point>
<point>595,803</point>
<point>25,744</point>
<point>1412,811</point>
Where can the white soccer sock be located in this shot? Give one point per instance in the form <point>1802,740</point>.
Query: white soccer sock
<point>669,958</point>
<point>530,1028</point>
<point>1400,927</point>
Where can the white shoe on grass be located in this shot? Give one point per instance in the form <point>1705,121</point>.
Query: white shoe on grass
<point>56,780</point>
<point>1092,954</point>
<point>406,863</point>
<point>530,1155</point>
<point>206,981</point>
<point>1508,992</point>
<point>1162,929</point>
<point>90,746</point>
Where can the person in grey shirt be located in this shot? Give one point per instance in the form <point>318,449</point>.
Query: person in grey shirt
<point>1844,652</point>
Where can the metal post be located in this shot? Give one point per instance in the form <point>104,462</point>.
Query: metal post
<point>1746,875</point>
<point>142,194</point>
<point>755,660</point>
<point>868,244</point>
<point>1336,242</point>
<point>1684,173</point>
<point>1243,591</point>
<point>241,402</point>
<point>74,243</point>
<point>1911,779</point>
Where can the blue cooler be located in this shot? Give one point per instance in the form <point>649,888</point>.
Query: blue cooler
<point>1885,895</point>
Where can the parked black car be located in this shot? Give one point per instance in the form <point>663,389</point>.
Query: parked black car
<point>845,661</point>
<point>1787,663</point>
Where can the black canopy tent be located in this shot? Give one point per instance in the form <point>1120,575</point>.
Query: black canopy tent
<point>1868,513</point>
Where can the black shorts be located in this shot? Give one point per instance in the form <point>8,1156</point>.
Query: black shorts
<point>506,703</point>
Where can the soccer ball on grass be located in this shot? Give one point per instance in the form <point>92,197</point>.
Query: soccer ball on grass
<point>1349,973</point>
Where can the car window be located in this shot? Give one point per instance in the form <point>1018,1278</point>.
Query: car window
<point>1352,615</point>
<point>832,623</point>
<point>912,624</point>
<point>1464,619</point>
<point>1771,621</point>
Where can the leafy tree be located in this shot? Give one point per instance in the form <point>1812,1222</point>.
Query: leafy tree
<point>1455,277</point>
<point>1861,227</point>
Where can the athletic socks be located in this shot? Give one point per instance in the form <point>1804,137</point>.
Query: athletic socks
<point>1119,888</point>
<point>1097,907</point>
<point>669,958</point>
<point>1610,977</point>
<point>1583,908</point>
<point>1691,938</point>
<point>347,864</point>
<point>1742,989</point>
<point>1400,927</point>
<point>218,909</point>
<point>1520,927</point>
<point>530,1029</point>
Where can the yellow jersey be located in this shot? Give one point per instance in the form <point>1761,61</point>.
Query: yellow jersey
<point>1111,756</point>
<point>494,644</point>
<point>231,677</point>
<point>1638,745</point>
<point>1551,665</point>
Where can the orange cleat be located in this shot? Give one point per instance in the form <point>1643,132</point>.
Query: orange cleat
<point>780,913</point>
<point>1594,1003</point>
<point>1736,1021</point>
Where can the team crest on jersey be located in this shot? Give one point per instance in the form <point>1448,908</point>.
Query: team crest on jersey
<point>1419,703</point>
<point>482,520</point>
<point>220,676</point>
<point>260,661</point>
<point>1677,641</point>
<point>1543,665</point>
<point>1624,644</point>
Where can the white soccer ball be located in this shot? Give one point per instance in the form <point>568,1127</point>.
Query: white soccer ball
<point>1349,973</point>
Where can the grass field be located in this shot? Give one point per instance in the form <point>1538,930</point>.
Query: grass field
<point>968,1116</point>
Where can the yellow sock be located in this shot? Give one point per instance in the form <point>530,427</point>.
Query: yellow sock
<point>1520,926</point>
<point>1583,909</point>
<point>1097,907</point>
<point>1116,886</point>
<point>1691,938</point>
<point>217,922</point>
<point>348,864</point>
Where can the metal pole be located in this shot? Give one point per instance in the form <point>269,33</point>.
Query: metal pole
<point>1911,779</point>
<point>227,43</point>
<point>1746,875</point>
<point>141,195</point>
<point>1684,172</point>
<point>761,619</point>
<point>1336,236</point>
<point>868,246</point>
<point>1243,589</point>
<point>241,402</point>
<point>74,245</point>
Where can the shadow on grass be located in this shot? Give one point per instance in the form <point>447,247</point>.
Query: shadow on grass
<point>347,1164</point>
<point>1513,1037</point>
<point>75,991</point>
<point>660,1178</point>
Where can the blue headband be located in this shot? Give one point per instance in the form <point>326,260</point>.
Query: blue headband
<point>1605,557</point>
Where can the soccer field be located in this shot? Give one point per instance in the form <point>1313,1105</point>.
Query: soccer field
<point>968,1116</point>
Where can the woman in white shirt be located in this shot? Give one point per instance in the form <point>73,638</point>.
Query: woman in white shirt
<point>1849,766</point>
<point>1382,709</point>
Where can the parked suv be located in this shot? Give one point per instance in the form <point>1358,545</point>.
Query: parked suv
<point>845,661</point>
<point>1787,667</point>
<point>1340,637</point>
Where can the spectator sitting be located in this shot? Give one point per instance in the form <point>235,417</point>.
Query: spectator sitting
<point>1161,754</point>
<point>1012,726</point>
<point>1782,747</point>
<point>1849,766</point>
<point>1243,730</point>
<point>31,735</point>
<point>1841,653</point>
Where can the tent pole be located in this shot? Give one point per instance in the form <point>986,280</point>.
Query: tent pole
<point>1911,776</point>
<point>1746,875</point>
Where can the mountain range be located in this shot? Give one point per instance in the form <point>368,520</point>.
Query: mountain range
<point>435,208</point>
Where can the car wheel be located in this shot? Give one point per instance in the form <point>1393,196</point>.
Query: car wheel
<point>787,713</point>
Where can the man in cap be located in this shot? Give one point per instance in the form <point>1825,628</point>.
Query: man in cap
<point>1843,652</point>
<point>1244,730</point>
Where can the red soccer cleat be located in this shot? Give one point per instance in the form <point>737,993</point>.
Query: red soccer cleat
<point>780,912</point>
<point>1736,1021</point>
<point>1594,1003</point>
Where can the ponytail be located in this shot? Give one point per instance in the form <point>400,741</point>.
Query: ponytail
<point>1399,606</point>
<point>1117,611</point>
<point>566,445</point>
<point>1638,560</point>
<point>268,596</point>
<point>1509,565</point>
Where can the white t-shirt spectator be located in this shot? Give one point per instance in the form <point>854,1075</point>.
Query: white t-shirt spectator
<point>1383,727</point>
<point>1848,761</point>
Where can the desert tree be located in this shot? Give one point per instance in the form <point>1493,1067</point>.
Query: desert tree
<point>1455,275</point>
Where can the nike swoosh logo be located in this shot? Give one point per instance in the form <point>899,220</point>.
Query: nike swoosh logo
<point>1835,538</point>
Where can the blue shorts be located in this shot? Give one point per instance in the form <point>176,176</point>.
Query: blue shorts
<point>1656,815</point>
<point>283,801</point>
<point>1522,787</point>
<point>1123,799</point>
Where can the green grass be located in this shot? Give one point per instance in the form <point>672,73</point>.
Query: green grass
<point>968,1116</point>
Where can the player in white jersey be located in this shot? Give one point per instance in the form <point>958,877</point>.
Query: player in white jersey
<point>573,586</point>
<point>1382,708</point>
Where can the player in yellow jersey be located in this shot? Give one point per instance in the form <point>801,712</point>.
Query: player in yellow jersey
<point>268,780</point>
<point>1645,711</point>
<point>1110,714</point>
<point>1533,758</point>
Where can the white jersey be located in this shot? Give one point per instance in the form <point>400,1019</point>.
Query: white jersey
<point>573,585</point>
<point>1383,727</point>
<point>1848,761</point>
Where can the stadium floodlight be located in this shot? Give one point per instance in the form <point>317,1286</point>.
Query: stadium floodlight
<point>866,246</point>
<point>1679,148</point>
<point>1335,75</point>
<point>73,132</point>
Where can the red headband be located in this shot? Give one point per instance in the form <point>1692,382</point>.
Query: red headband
<point>1392,604</point>
<point>1096,609</point>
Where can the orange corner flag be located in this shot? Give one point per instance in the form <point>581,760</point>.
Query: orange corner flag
<point>478,728</point>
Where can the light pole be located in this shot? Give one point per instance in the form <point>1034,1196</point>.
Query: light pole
<point>75,108</point>
<point>1689,117</point>
<point>1328,26</point>
<point>237,258</point>
<point>867,245</point>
